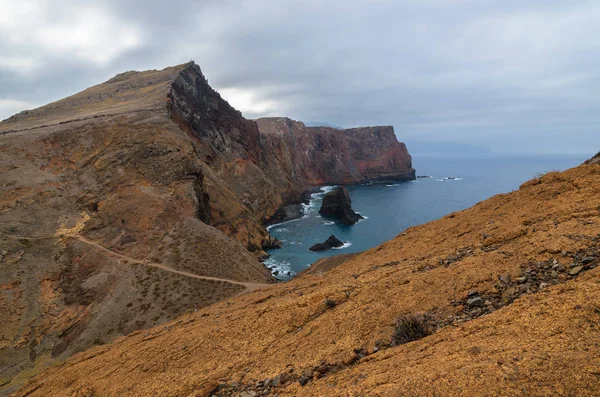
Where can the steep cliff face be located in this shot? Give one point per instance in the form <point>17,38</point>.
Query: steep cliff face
<point>296,154</point>
<point>132,202</point>
<point>272,161</point>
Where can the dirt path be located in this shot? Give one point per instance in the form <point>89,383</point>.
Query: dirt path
<point>249,286</point>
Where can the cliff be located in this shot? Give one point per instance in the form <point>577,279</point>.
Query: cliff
<point>507,291</point>
<point>295,153</point>
<point>126,205</point>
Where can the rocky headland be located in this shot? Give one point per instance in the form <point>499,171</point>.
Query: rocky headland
<point>145,197</point>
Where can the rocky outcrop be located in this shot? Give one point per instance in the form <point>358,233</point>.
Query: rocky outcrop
<point>271,162</point>
<point>338,205</point>
<point>331,242</point>
<point>295,154</point>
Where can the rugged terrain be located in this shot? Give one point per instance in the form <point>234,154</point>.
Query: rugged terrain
<point>139,199</point>
<point>509,290</point>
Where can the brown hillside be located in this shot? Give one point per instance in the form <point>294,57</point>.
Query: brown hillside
<point>139,199</point>
<point>510,287</point>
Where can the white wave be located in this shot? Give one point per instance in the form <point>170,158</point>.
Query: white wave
<point>329,223</point>
<point>448,178</point>
<point>282,268</point>
<point>346,245</point>
<point>282,223</point>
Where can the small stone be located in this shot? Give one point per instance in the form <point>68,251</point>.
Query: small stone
<point>375,349</point>
<point>276,380</point>
<point>472,294</point>
<point>303,380</point>
<point>553,273</point>
<point>505,279</point>
<point>575,271</point>
<point>245,394</point>
<point>508,294</point>
<point>528,270</point>
<point>322,369</point>
<point>521,280</point>
<point>267,382</point>
<point>587,260</point>
<point>543,285</point>
<point>475,302</point>
<point>572,265</point>
<point>555,266</point>
<point>252,393</point>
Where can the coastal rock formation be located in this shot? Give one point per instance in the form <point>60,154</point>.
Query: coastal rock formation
<point>328,156</point>
<point>137,200</point>
<point>337,204</point>
<point>331,242</point>
<point>508,290</point>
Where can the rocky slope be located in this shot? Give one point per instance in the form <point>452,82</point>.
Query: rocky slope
<point>125,205</point>
<point>508,288</point>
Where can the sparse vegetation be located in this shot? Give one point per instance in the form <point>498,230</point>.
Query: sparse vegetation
<point>329,303</point>
<point>410,327</point>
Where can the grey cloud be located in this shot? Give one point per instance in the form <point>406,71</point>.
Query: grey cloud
<point>485,72</point>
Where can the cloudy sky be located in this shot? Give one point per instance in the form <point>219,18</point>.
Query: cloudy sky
<point>510,75</point>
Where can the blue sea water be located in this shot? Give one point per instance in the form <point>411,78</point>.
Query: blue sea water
<point>391,208</point>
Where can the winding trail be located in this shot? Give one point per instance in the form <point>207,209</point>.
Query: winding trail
<point>249,286</point>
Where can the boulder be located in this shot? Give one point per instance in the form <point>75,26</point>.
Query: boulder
<point>331,242</point>
<point>337,204</point>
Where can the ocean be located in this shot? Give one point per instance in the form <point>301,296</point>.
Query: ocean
<point>455,182</point>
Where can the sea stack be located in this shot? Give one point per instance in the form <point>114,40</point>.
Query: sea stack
<point>331,242</point>
<point>337,204</point>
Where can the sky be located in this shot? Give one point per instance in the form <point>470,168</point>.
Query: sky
<point>509,76</point>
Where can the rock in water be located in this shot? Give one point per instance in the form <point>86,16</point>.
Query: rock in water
<point>331,242</point>
<point>337,204</point>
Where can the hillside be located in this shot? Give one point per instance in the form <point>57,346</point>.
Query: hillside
<point>139,199</point>
<point>509,289</point>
